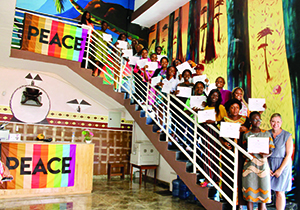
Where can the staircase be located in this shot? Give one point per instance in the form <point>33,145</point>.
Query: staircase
<point>190,179</point>
<point>179,159</point>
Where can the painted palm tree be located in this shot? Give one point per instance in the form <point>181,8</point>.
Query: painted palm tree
<point>203,26</point>
<point>264,33</point>
<point>59,4</point>
<point>217,16</point>
<point>210,51</point>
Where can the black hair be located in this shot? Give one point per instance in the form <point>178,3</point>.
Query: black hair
<point>195,85</point>
<point>152,54</point>
<point>120,36</point>
<point>83,18</point>
<point>173,63</point>
<point>232,101</point>
<point>164,58</point>
<point>144,49</point>
<point>254,113</point>
<point>158,47</point>
<point>187,70</point>
<point>218,102</point>
<point>221,78</point>
<point>102,22</point>
<point>167,73</point>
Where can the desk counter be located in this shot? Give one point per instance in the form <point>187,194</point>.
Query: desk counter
<point>47,168</point>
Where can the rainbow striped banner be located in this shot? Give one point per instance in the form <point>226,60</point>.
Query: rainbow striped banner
<point>39,165</point>
<point>53,38</point>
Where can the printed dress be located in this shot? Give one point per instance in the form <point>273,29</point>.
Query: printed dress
<point>256,173</point>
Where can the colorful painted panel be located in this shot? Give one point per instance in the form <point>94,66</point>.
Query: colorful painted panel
<point>269,68</point>
<point>39,165</point>
<point>49,37</point>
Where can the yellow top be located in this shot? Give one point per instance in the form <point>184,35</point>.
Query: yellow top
<point>221,114</point>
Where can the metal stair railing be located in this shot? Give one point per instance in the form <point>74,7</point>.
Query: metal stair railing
<point>168,112</point>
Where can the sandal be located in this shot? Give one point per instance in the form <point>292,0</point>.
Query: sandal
<point>204,184</point>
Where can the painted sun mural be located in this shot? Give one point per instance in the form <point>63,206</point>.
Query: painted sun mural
<point>247,43</point>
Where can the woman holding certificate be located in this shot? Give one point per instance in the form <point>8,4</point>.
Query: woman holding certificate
<point>280,161</point>
<point>233,107</point>
<point>214,100</point>
<point>256,172</point>
<point>183,92</point>
<point>166,86</point>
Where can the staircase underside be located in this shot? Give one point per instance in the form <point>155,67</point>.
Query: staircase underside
<point>179,167</point>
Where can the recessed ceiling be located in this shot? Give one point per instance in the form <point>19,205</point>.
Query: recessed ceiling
<point>158,11</point>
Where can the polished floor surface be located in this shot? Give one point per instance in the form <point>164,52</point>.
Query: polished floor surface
<point>114,194</point>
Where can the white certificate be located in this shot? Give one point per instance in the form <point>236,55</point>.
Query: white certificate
<point>204,115</point>
<point>141,63</point>
<point>256,104</point>
<point>184,92</point>
<point>133,60</point>
<point>122,44</point>
<point>183,67</point>
<point>107,37</point>
<point>127,53</point>
<point>200,78</point>
<point>230,130</point>
<point>167,87</point>
<point>152,65</point>
<point>258,145</point>
<point>160,57</point>
<point>196,101</point>
<point>155,80</point>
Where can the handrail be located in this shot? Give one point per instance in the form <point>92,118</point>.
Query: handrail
<point>191,134</point>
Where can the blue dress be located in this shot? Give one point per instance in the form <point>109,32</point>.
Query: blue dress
<point>284,181</point>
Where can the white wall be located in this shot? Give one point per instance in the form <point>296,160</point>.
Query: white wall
<point>58,90</point>
<point>164,171</point>
<point>6,23</point>
<point>138,3</point>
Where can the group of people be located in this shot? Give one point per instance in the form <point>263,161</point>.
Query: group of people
<point>257,177</point>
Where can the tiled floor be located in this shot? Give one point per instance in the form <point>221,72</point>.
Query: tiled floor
<point>113,194</point>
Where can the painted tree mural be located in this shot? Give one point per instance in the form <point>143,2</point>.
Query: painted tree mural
<point>238,62</point>
<point>217,16</point>
<point>179,54</point>
<point>263,34</point>
<point>291,13</point>
<point>197,29</point>
<point>190,52</point>
<point>210,52</point>
<point>203,26</point>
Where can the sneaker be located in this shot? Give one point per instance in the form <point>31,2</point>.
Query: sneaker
<point>188,149</point>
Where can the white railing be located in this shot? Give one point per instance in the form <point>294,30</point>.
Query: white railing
<point>168,112</point>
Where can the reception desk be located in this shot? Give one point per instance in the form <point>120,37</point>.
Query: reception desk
<point>41,169</point>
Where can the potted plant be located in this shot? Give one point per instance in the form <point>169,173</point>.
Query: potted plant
<point>87,135</point>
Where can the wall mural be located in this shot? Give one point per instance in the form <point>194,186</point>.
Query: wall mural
<point>252,44</point>
<point>100,10</point>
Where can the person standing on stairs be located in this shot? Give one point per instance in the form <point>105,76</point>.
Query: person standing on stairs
<point>214,100</point>
<point>140,84</point>
<point>101,48</point>
<point>198,90</point>
<point>119,67</point>
<point>256,185</point>
<point>179,120</point>
<point>233,107</point>
<point>87,23</point>
<point>170,81</point>
<point>226,94</point>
